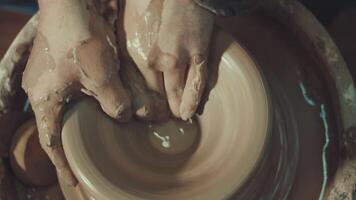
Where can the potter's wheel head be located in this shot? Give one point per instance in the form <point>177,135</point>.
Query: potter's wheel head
<point>210,157</point>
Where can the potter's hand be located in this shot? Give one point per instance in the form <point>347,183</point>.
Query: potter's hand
<point>169,41</point>
<point>73,51</point>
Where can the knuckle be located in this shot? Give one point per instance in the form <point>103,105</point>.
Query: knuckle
<point>146,64</point>
<point>149,65</point>
<point>168,62</point>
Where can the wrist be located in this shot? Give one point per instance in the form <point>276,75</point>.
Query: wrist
<point>63,14</point>
<point>66,19</point>
<point>64,23</point>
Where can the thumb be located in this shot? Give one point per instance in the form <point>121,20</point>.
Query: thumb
<point>98,64</point>
<point>113,98</point>
<point>49,115</point>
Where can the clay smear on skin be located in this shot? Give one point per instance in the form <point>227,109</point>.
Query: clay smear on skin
<point>84,67</point>
<point>40,64</point>
<point>93,31</point>
<point>145,34</point>
<point>50,64</point>
<point>111,44</point>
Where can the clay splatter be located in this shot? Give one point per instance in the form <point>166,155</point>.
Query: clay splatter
<point>326,144</point>
<point>323,117</point>
<point>136,43</point>
<point>305,95</point>
<point>165,140</point>
<point>181,131</point>
<point>74,52</point>
<point>111,44</point>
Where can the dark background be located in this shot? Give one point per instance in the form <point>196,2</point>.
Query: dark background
<point>325,10</point>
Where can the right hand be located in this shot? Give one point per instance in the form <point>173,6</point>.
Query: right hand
<point>169,42</point>
<point>74,51</point>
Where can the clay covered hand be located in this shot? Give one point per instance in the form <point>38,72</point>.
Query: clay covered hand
<point>74,51</point>
<point>169,42</point>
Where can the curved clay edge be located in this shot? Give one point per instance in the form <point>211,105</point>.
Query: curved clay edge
<point>14,60</point>
<point>306,27</point>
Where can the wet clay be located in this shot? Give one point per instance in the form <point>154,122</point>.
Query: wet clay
<point>163,137</point>
<point>193,159</point>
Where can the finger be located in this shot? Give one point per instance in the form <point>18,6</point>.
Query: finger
<point>174,74</point>
<point>113,98</point>
<point>98,65</point>
<point>148,101</point>
<point>194,87</point>
<point>49,115</point>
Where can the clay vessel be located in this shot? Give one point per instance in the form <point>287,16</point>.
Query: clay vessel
<point>29,162</point>
<point>210,156</point>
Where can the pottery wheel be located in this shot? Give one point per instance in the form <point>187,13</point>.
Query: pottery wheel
<point>210,156</point>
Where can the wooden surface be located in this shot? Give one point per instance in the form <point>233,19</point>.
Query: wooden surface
<point>10,24</point>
